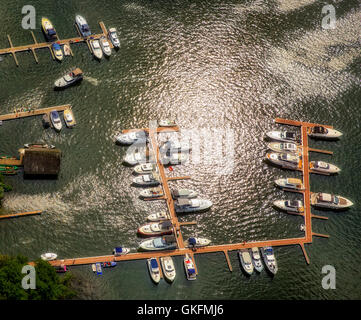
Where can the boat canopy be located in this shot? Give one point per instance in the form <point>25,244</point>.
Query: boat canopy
<point>192,241</point>
<point>118,250</point>
<point>191,271</point>
<point>77,72</point>
<point>167,224</point>
<point>51,32</point>
<point>169,239</point>
<point>153,263</point>
<point>183,202</point>
<point>56,46</point>
<point>319,129</point>
<point>326,197</point>
<point>289,135</point>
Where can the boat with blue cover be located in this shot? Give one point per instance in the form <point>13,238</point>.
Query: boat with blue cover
<point>98,267</point>
<point>189,267</point>
<point>58,53</point>
<point>82,26</point>
<point>55,120</point>
<point>120,251</point>
<point>48,29</point>
<point>160,243</point>
<point>153,268</point>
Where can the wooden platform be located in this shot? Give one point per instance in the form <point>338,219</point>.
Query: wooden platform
<point>36,45</point>
<point>22,214</point>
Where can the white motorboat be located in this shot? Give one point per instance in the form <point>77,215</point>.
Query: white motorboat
<point>147,180</point>
<point>67,50</point>
<point>184,205</point>
<point>114,37</point>
<point>330,201</point>
<point>269,259</point>
<point>290,183</point>
<point>105,46</point>
<point>132,137</point>
<point>167,123</point>
<point>69,78</point>
<point>82,26</point>
<point>193,242</point>
<point>168,268</point>
<point>323,133</point>
<point>290,205</point>
<point>170,147</point>
<point>58,53</point>
<point>159,228</point>
<point>174,158</point>
<point>285,160</point>
<point>189,267</point>
<point>287,147</point>
<point>137,157</point>
<point>120,251</point>
<point>183,193</point>
<point>160,243</point>
<point>56,121</point>
<point>151,193</point>
<point>324,167</point>
<point>246,261</point>
<point>97,50</point>
<point>49,256</point>
<point>69,118</point>
<point>256,259</point>
<point>154,271</point>
<point>159,216</point>
<point>286,136</point>
<point>145,168</point>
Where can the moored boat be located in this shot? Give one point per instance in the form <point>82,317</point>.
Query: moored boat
<point>184,205</point>
<point>156,228</point>
<point>67,50</point>
<point>147,180</point>
<point>132,137</point>
<point>193,242</point>
<point>70,78</point>
<point>97,50</point>
<point>285,136</point>
<point>55,120</point>
<point>322,132</point>
<point>159,216</point>
<point>168,268</point>
<point>38,145</point>
<point>58,53</point>
<point>256,259</point>
<point>290,205</point>
<point>174,158</point>
<point>69,118</point>
<point>189,267</point>
<point>82,26</point>
<point>134,158</point>
<point>112,34</point>
<point>290,183</point>
<point>167,123</point>
<point>48,29</point>
<point>330,201</point>
<point>145,168</point>
<point>98,267</point>
<point>49,256</point>
<point>246,261</point>
<point>269,259</point>
<point>153,268</point>
<point>285,160</point>
<point>169,147</point>
<point>151,193</point>
<point>109,264</point>
<point>160,243</point>
<point>120,251</point>
<point>324,167</point>
<point>287,147</point>
<point>105,46</point>
<point>183,193</point>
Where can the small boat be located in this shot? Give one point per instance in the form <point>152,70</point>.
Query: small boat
<point>290,183</point>
<point>120,251</point>
<point>153,268</point>
<point>94,267</point>
<point>302,227</point>
<point>330,201</point>
<point>58,53</point>
<point>184,205</point>
<point>145,168</point>
<point>82,26</point>
<point>193,242</point>
<point>189,267</point>
<point>109,264</point>
<point>38,145</point>
<point>174,158</point>
<point>168,268</point>
<point>269,259</point>
<point>114,37</point>
<point>97,50</point>
<point>99,268</point>
<point>285,136</point>
<point>246,261</point>
<point>323,133</point>
<point>132,137</point>
<point>137,157</point>
<point>183,193</point>
<point>285,160</point>
<point>48,29</point>
<point>69,118</point>
<point>169,147</point>
<point>49,256</point>
<point>105,46</point>
<point>69,79</point>
<point>167,123</point>
<point>61,269</point>
<point>55,120</point>
<point>147,180</point>
<point>287,147</point>
<point>159,216</point>
<point>290,205</point>
<point>156,228</point>
<point>67,51</point>
<point>151,193</point>
<point>160,243</point>
<point>324,167</point>
<point>256,259</point>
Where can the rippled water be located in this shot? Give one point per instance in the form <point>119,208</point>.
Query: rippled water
<point>210,65</point>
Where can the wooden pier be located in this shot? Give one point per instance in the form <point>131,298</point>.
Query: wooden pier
<point>22,214</point>
<point>222,248</point>
<point>36,45</point>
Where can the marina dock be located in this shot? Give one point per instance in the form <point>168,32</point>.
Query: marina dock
<point>22,214</point>
<point>223,248</point>
<point>36,45</point>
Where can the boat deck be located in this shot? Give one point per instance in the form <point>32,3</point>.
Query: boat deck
<point>222,248</point>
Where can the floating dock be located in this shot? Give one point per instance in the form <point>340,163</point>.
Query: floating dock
<point>224,248</point>
<point>36,45</point>
<point>22,214</point>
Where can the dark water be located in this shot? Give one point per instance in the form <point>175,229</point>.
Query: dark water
<point>210,65</point>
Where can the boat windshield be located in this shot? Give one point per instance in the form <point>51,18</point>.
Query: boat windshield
<point>68,78</point>
<point>336,200</point>
<point>289,135</point>
<point>158,243</point>
<point>85,27</point>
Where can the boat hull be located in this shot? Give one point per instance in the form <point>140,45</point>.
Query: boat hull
<point>168,276</point>
<point>248,272</point>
